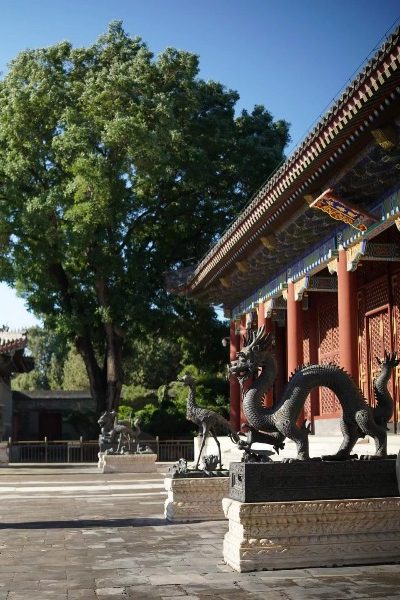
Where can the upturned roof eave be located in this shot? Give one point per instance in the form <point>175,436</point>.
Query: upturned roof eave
<point>355,111</point>
<point>12,345</point>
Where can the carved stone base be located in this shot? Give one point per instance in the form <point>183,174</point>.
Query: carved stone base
<point>318,533</point>
<point>127,463</point>
<point>195,499</point>
<point>4,454</point>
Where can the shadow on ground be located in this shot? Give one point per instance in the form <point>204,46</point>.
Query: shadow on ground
<point>85,523</point>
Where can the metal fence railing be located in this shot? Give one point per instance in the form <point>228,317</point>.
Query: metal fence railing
<point>172,450</point>
<point>81,451</point>
<point>44,451</point>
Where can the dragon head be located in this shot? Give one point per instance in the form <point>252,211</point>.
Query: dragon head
<point>253,354</point>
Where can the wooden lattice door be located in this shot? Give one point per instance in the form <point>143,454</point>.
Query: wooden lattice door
<point>376,333</point>
<point>396,343</point>
<point>328,327</point>
<point>379,340</point>
<point>306,359</point>
<point>362,346</point>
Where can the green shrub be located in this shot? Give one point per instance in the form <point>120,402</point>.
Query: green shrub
<point>137,396</point>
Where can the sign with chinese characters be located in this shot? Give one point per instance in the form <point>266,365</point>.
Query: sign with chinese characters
<point>335,207</point>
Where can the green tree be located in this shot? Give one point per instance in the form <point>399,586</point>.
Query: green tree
<point>258,136</point>
<point>27,381</point>
<point>167,418</point>
<point>74,372</point>
<point>137,396</point>
<point>50,350</point>
<point>57,363</point>
<point>115,167</point>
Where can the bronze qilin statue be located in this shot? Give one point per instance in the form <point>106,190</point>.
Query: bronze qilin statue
<point>117,437</point>
<point>272,425</point>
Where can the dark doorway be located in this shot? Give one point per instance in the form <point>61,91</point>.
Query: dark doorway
<point>50,425</point>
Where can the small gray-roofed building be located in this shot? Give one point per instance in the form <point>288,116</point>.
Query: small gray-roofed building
<point>55,414</point>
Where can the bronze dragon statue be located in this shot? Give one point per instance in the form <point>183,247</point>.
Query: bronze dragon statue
<point>272,425</point>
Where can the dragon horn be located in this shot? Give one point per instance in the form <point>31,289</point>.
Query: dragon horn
<point>256,337</point>
<point>248,339</point>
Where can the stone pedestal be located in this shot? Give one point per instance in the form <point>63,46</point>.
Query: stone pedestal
<point>313,480</point>
<point>195,499</point>
<point>127,463</point>
<point>318,533</point>
<point>4,454</point>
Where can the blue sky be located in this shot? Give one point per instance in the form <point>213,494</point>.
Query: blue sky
<point>293,56</point>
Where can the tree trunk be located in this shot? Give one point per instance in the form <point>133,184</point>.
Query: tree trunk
<point>114,341</point>
<point>105,384</point>
<point>96,375</point>
<point>114,367</point>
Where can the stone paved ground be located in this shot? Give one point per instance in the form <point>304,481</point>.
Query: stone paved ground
<point>72,533</point>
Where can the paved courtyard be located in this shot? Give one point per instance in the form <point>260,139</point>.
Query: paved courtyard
<point>72,533</point>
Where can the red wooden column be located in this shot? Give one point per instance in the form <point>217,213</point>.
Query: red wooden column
<point>262,319</point>
<point>260,315</point>
<point>234,388</point>
<point>294,331</point>
<point>347,313</point>
<point>313,354</point>
<point>294,335</point>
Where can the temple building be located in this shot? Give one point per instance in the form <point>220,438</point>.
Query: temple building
<point>315,256</point>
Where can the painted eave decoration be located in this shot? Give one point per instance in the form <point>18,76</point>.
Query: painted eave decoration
<point>338,209</point>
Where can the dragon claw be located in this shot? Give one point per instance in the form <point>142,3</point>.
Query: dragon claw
<point>390,359</point>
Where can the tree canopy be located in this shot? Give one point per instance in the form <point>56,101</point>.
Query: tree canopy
<point>116,166</point>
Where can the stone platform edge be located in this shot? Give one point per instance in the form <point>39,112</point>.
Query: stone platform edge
<point>127,463</point>
<point>318,533</point>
